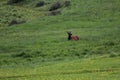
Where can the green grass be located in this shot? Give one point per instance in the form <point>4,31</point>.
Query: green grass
<point>85,69</point>
<point>39,49</point>
<point>45,38</point>
<point>96,22</point>
<point>43,42</point>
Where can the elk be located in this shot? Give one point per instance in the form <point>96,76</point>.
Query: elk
<point>71,37</point>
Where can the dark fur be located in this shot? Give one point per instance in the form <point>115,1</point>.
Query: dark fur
<point>71,37</point>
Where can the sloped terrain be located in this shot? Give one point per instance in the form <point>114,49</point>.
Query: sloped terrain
<point>42,38</point>
<point>28,10</point>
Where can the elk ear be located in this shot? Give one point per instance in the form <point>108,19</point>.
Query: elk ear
<point>69,32</point>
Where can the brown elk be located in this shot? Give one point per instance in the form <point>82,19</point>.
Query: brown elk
<point>71,37</point>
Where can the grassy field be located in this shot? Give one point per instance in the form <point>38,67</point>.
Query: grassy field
<point>85,69</point>
<point>39,49</point>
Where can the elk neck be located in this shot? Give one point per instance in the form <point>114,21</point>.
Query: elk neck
<point>69,37</point>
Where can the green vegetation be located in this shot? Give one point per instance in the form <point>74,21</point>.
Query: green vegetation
<point>85,69</point>
<point>39,48</point>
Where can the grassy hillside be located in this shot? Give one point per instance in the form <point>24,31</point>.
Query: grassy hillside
<point>95,22</point>
<point>42,40</point>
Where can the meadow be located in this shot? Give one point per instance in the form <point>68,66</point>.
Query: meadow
<point>85,69</point>
<point>39,49</point>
